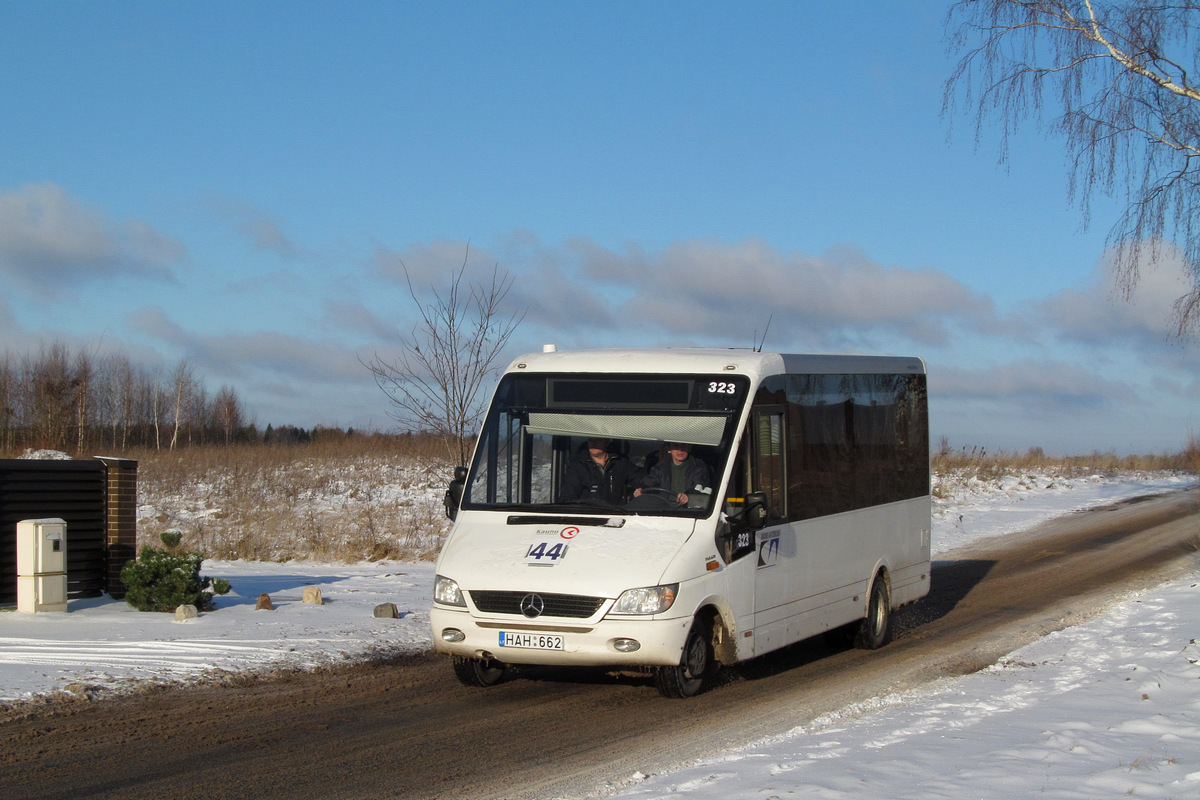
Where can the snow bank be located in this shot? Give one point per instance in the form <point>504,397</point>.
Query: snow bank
<point>103,643</point>
<point>1107,709</point>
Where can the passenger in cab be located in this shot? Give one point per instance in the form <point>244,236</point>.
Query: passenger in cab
<point>680,474</point>
<point>599,475</point>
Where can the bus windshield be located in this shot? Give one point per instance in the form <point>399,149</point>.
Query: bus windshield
<point>601,443</point>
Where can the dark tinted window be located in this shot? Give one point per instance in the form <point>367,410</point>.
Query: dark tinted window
<point>852,440</point>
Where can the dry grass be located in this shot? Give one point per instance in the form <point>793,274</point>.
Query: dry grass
<point>1191,455</point>
<point>951,467</point>
<point>947,459</point>
<point>338,498</point>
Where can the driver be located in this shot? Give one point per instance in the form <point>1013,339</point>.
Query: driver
<point>679,474</point>
<point>599,475</point>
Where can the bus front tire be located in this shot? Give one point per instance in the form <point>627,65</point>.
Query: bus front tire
<point>477,671</point>
<point>875,630</point>
<point>695,667</point>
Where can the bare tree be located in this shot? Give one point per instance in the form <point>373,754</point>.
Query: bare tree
<point>227,410</point>
<point>183,382</point>
<point>1117,81</point>
<point>121,391</point>
<point>8,401</point>
<point>197,413</point>
<point>51,395</point>
<point>157,412</point>
<point>84,369</point>
<point>435,384</point>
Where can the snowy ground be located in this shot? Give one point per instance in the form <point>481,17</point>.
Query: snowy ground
<point>1106,709</point>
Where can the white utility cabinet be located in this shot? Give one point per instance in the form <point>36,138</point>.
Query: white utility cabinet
<point>42,565</point>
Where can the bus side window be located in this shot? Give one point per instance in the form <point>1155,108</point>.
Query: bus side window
<point>768,445</point>
<point>739,483</point>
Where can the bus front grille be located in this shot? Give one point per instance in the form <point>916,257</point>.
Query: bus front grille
<point>574,606</point>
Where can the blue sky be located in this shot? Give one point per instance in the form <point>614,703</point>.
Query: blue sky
<point>235,184</point>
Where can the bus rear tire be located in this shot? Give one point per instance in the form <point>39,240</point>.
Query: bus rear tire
<point>875,629</point>
<point>478,671</point>
<point>695,667</point>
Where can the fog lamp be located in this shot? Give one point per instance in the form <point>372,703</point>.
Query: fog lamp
<point>626,645</point>
<point>453,635</point>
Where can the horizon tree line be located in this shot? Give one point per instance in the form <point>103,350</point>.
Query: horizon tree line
<point>77,402</point>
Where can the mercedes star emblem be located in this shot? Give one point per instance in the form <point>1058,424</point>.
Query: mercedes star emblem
<point>532,605</point>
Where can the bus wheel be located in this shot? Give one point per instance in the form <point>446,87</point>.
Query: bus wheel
<point>477,671</point>
<point>876,628</point>
<point>695,666</point>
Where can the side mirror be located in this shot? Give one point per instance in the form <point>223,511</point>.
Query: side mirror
<point>756,512</point>
<point>454,492</point>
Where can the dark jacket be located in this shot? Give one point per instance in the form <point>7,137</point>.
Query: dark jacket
<point>584,479</point>
<point>696,473</point>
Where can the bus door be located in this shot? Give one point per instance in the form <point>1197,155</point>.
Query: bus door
<point>774,578</point>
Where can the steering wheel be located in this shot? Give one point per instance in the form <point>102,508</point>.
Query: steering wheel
<point>654,498</point>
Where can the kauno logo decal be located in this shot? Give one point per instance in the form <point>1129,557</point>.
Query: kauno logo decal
<point>569,532</point>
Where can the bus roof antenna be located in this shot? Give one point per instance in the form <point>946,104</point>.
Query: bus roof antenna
<point>759,345</point>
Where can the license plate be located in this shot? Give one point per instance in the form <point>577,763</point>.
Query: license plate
<point>531,641</point>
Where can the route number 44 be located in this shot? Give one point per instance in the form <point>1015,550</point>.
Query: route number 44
<point>545,554</point>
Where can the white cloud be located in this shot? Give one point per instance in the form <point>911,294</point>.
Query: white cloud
<point>265,233</point>
<point>1035,388</point>
<point>50,242</point>
<point>724,293</point>
<point>1101,313</point>
<point>429,264</point>
<point>295,358</point>
<point>706,292</point>
<point>260,227</point>
<point>352,315</point>
<point>1066,408</point>
<point>1039,387</point>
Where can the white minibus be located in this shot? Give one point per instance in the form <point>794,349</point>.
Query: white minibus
<point>674,510</point>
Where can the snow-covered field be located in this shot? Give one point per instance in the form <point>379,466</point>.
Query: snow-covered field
<point>1106,709</point>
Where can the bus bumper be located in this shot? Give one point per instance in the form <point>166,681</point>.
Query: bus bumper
<point>620,642</point>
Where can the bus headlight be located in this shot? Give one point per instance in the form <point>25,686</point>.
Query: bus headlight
<point>446,592</point>
<point>649,600</point>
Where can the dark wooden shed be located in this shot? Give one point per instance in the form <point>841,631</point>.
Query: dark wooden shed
<point>98,500</point>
